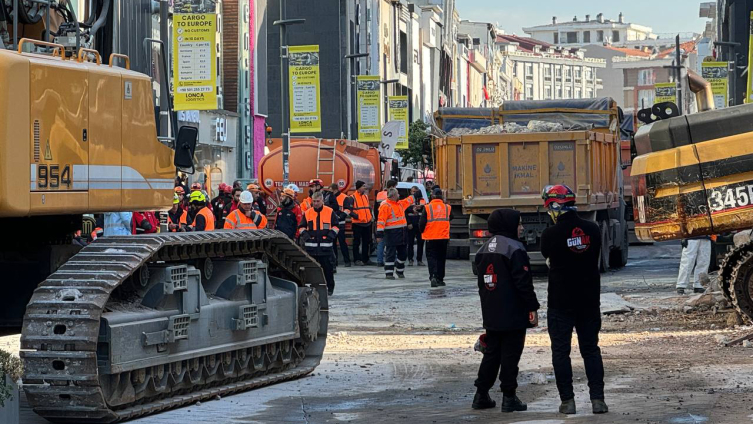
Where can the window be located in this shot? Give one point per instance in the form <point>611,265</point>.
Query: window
<point>547,72</point>
<point>568,93</point>
<point>586,36</point>
<point>578,72</point>
<point>568,74</point>
<point>572,37</point>
<point>403,53</point>
<point>645,98</point>
<point>600,36</point>
<point>615,36</point>
<point>558,72</point>
<point>589,93</point>
<point>529,91</point>
<point>547,93</point>
<point>646,77</point>
<point>578,93</point>
<point>589,74</point>
<point>559,92</point>
<point>556,38</point>
<point>529,71</point>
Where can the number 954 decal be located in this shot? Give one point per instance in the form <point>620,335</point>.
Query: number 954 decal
<point>730,198</point>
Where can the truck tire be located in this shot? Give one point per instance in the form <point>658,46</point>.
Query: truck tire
<point>618,258</point>
<point>604,254</point>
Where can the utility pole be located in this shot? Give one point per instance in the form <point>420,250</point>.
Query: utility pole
<point>676,66</point>
<point>353,92</point>
<point>285,120</point>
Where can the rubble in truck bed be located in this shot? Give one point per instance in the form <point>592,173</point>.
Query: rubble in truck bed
<point>514,128</point>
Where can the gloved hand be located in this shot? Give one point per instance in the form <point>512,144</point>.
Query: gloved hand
<point>332,234</point>
<point>304,236</point>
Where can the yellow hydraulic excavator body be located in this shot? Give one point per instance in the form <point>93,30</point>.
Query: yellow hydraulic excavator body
<point>78,136</point>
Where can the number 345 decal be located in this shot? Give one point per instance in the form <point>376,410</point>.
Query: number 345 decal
<point>54,176</point>
<point>730,198</point>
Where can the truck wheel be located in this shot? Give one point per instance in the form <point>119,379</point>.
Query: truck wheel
<point>604,254</point>
<point>618,258</point>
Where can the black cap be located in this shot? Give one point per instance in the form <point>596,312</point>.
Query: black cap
<point>359,184</point>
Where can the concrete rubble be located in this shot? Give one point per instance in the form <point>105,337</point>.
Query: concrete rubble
<point>511,128</point>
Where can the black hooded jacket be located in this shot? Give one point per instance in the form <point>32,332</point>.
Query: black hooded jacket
<point>505,284</point>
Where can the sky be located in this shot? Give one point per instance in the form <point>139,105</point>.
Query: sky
<point>663,16</point>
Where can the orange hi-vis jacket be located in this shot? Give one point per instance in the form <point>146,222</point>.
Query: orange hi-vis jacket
<point>437,221</point>
<point>319,230</point>
<point>381,196</point>
<point>362,209</point>
<point>237,220</point>
<point>345,213</point>
<point>306,204</point>
<point>208,216</point>
<point>392,215</point>
<point>181,221</point>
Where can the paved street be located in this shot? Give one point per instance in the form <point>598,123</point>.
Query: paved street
<point>403,352</point>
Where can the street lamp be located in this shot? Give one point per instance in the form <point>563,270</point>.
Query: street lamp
<point>354,87</point>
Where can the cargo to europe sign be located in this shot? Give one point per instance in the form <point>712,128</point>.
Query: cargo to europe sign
<point>305,102</point>
<point>194,61</point>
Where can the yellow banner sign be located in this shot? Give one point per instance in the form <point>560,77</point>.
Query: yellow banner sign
<point>369,108</point>
<point>717,74</point>
<point>305,105</point>
<point>194,61</point>
<point>666,92</point>
<point>398,111</point>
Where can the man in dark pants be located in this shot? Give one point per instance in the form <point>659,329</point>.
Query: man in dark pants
<point>361,221</point>
<point>318,232</point>
<point>413,215</point>
<point>336,200</point>
<point>434,225</point>
<point>572,248</point>
<point>392,229</point>
<point>508,307</point>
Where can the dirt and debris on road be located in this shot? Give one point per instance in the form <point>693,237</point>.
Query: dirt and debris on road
<point>402,352</point>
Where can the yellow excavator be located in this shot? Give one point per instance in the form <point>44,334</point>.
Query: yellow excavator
<point>693,176</point>
<point>129,325</point>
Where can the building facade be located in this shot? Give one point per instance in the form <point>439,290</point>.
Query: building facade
<point>577,32</point>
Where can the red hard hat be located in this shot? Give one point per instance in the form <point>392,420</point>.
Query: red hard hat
<point>561,194</point>
<point>316,181</point>
<point>228,189</point>
<point>221,188</point>
<point>179,190</point>
<point>195,186</point>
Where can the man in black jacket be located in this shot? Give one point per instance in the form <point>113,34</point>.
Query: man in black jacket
<point>572,248</point>
<point>508,307</point>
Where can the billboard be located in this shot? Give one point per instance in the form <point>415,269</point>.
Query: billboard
<point>305,102</point>
<point>369,108</point>
<point>194,61</point>
<point>717,74</point>
<point>398,111</point>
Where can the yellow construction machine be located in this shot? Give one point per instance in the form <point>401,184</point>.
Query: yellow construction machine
<point>130,325</point>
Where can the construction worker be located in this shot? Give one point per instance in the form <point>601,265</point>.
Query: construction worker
<point>196,187</point>
<point>182,201</point>
<point>336,201</point>
<point>289,214</point>
<point>694,261</point>
<point>233,205</point>
<point>315,186</point>
<point>392,230</point>
<point>380,198</point>
<point>361,221</point>
<point>413,215</point>
<point>245,217</point>
<point>508,307</point>
<point>201,217</point>
<point>144,223</point>
<point>318,232</point>
<point>571,248</point>
<point>259,203</point>
<point>434,225</point>
<point>177,217</point>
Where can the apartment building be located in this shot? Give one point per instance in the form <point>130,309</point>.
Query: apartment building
<point>577,32</point>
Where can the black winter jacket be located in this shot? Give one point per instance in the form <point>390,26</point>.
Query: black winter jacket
<point>287,221</point>
<point>505,283</point>
<point>572,247</point>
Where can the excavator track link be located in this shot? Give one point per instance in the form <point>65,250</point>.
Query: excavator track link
<point>64,378</point>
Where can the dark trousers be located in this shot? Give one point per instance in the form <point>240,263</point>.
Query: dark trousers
<point>340,240</point>
<point>503,350</point>
<point>362,240</point>
<point>587,322</point>
<point>328,265</point>
<point>436,255</point>
<point>414,235</point>
<point>394,259</point>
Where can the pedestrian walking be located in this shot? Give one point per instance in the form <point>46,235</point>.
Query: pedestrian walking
<point>289,214</point>
<point>337,199</point>
<point>695,261</point>
<point>380,198</point>
<point>361,221</point>
<point>572,248</point>
<point>392,231</point>
<point>318,232</point>
<point>415,241</point>
<point>245,217</point>
<point>508,307</point>
<point>201,217</point>
<point>434,226</point>
<point>118,224</point>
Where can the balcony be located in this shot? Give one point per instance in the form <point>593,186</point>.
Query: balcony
<point>478,60</point>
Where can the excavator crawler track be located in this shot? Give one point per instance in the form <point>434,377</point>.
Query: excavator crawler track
<point>68,378</point>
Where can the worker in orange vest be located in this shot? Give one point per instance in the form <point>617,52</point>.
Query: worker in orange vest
<point>380,198</point>
<point>245,217</point>
<point>202,218</point>
<point>435,230</point>
<point>318,233</point>
<point>361,222</point>
<point>392,229</point>
<point>177,216</point>
<point>315,186</point>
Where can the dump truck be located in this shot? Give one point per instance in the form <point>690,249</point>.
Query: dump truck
<point>130,325</point>
<point>693,177</point>
<point>503,158</point>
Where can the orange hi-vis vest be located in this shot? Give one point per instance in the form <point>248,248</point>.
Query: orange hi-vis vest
<point>181,221</point>
<point>208,216</point>
<point>237,220</point>
<point>345,213</point>
<point>362,209</point>
<point>381,196</point>
<point>306,204</point>
<point>392,215</point>
<point>318,226</point>
<point>437,221</point>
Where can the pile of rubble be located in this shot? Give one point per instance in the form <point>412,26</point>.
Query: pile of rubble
<point>511,128</point>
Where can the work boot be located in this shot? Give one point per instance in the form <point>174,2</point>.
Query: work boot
<point>699,290</point>
<point>567,407</point>
<point>420,263</point>
<point>441,283</point>
<point>359,263</point>
<point>680,291</point>
<point>512,404</point>
<point>369,263</point>
<point>390,277</point>
<point>330,292</point>
<point>400,275</point>
<point>482,400</point>
<point>599,406</point>
<point>411,263</point>
<point>347,264</point>
<point>434,282</point>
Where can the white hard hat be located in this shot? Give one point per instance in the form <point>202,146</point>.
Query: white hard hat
<point>294,188</point>
<point>247,197</point>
